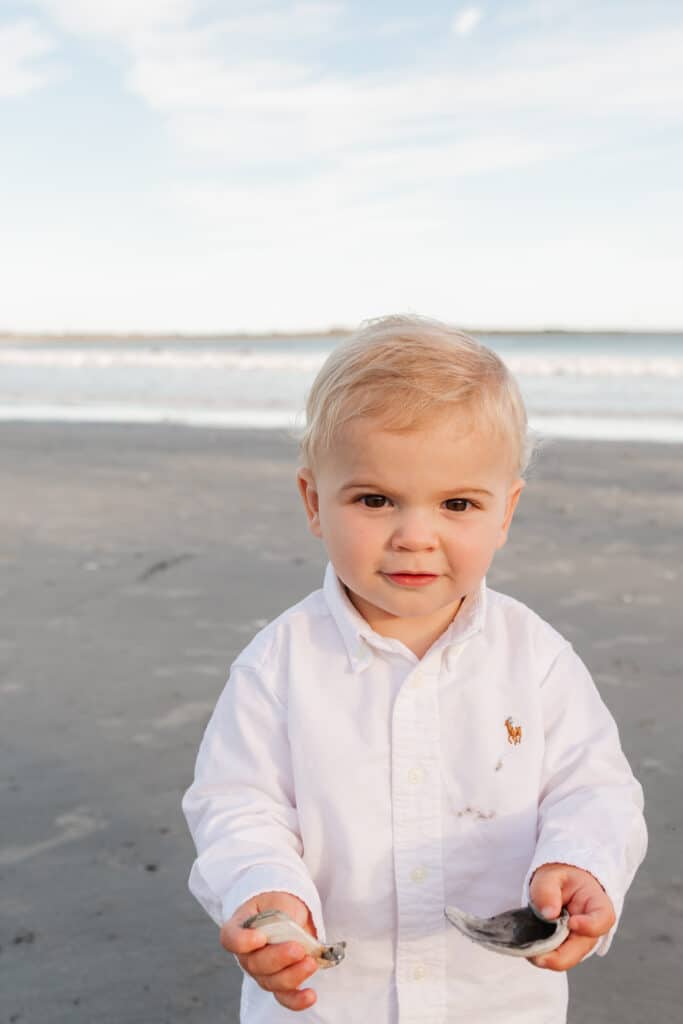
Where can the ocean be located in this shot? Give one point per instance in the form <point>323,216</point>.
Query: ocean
<point>581,385</point>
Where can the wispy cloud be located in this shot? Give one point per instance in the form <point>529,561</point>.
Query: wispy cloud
<point>136,23</point>
<point>22,44</point>
<point>126,20</point>
<point>252,86</point>
<point>466,20</point>
<point>280,112</point>
<point>332,203</point>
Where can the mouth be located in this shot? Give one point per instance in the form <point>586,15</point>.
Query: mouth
<point>408,578</point>
<point>409,572</point>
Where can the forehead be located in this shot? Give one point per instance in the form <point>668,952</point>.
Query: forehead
<point>450,451</point>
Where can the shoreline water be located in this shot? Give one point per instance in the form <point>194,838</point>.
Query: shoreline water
<point>586,386</point>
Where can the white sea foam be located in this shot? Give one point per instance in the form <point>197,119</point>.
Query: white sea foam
<point>265,419</point>
<point>610,428</point>
<point>161,359</point>
<point>599,428</point>
<point>595,366</point>
<point>525,364</point>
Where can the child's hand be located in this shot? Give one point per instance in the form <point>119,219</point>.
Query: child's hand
<point>280,967</point>
<point>554,886</point>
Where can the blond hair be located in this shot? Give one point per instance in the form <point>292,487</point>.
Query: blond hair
<point>406,370</point>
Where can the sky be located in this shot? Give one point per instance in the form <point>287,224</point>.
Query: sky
<point>200,166</point>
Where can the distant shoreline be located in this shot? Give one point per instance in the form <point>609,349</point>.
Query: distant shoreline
<point>332,332</point>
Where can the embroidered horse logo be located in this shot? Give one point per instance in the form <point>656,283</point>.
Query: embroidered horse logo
<point>514,732</point>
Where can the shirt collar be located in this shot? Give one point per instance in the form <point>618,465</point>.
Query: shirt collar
<point>359,638</point>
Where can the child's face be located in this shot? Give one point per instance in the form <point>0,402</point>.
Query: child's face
<point>422,501</point>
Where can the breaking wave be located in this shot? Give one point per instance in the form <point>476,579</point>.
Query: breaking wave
<point>523,364</point>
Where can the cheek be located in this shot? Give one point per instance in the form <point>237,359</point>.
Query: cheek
<point>359,535</point>
<point>477,541</point>
<point>354,534</point>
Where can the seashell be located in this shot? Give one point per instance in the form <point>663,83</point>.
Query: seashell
<point>279,927</point>
<point>521,932</point>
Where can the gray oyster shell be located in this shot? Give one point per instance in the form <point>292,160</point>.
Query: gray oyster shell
<point>521,932</point>
<point>279,927</point>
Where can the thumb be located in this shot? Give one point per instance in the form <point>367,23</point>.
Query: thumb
<point>545,892</point>
<point>239,940</point>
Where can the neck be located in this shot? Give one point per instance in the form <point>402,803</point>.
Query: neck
<point>418,634</point>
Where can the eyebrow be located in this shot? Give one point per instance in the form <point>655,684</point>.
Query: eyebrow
<point>378,490</point>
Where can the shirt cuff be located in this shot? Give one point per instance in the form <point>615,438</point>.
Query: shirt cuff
<point>262,878</point>
<point>595,865</point>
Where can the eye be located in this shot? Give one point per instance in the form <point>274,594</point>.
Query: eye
<point>459,503</point>
<point>373,500</point>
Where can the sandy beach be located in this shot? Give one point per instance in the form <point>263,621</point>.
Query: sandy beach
<point>135,562</point>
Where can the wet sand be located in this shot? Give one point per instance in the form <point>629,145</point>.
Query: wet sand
<point>135,562</point>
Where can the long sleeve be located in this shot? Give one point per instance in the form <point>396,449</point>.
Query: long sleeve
<point>241,808</point>
<point>590,804</point>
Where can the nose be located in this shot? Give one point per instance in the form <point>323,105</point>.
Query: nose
<point>414,532</point>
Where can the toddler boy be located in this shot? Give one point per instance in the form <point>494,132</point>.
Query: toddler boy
<point>406,738</point>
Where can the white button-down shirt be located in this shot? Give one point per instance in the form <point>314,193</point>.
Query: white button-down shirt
<point>379,787</point>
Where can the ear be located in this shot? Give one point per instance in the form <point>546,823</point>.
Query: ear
<point>513,497</point>
<point>309,494</point>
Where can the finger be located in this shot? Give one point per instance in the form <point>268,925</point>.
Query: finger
<point>545,892</point>
<point>590,911</point>
<point>596,923</point>
<point>289,979</point>
<point>586,897</point>
<point>566,956</point>
<point>273,958</point>
<point>299,1000</point>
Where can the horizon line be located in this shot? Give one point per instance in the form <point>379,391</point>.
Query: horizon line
<point>71,335</point>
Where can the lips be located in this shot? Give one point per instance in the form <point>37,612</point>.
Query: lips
<point>411,579</point>
<point>409,572</point>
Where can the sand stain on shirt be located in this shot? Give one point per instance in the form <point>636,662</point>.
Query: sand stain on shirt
<point>475,813</point>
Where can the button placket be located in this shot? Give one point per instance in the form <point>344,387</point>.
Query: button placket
<point>417,679</point>
<point>416,812</point>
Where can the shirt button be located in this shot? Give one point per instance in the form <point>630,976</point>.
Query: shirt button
<point>418,874</point>
<point>417,679</point>
<point>415,775</point>
<point>418,972</point>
